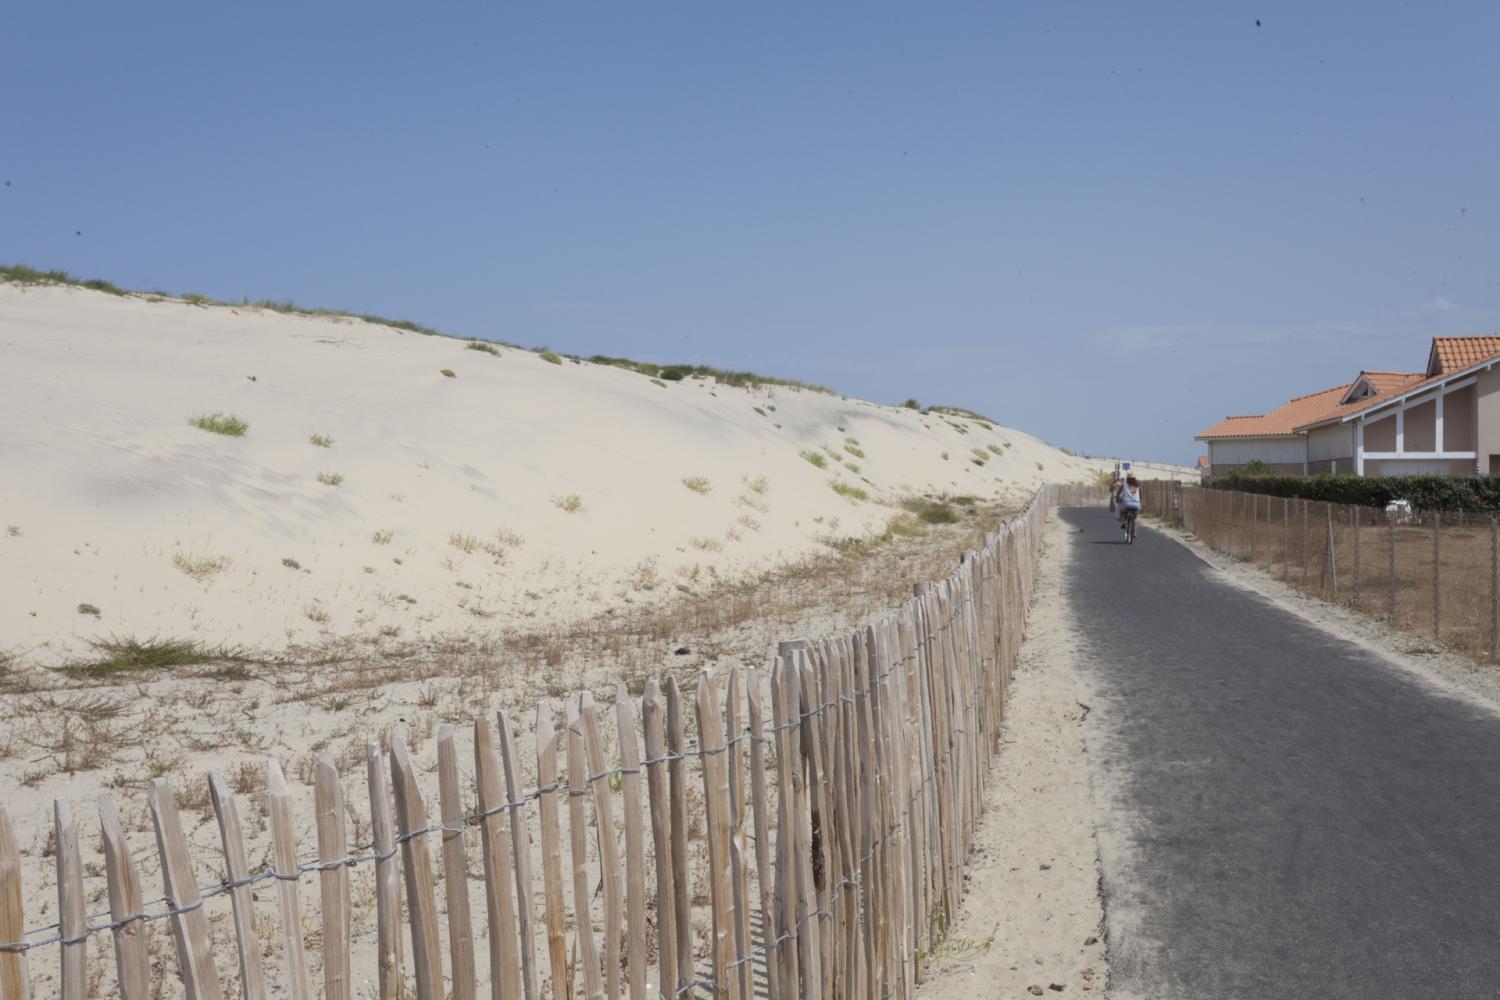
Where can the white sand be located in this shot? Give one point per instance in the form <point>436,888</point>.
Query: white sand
<point>1032,916</point>
<point>106,483</point>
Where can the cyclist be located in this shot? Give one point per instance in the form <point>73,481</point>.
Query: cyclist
<point>1130,499</point>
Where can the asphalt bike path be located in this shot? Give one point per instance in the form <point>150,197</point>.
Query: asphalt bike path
<point>1285,814</point>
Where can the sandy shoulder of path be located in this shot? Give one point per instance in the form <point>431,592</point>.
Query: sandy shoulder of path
<point>1032,919</point>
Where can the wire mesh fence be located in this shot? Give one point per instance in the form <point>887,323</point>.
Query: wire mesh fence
<point>1432,573</point>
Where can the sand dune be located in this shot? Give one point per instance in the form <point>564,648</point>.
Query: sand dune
<point>516,488</point>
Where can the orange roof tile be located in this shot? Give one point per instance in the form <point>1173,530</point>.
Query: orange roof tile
<point>1448,355</point>
<point>1451,354</point>
<point>1315,408</point>
<point>1282,421</point>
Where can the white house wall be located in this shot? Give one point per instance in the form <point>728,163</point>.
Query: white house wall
<point>1326,443</point>
<point>1272,451</point>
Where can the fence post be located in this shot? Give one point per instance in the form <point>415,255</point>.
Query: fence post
<point>1494,588</point>
<point>1333,566</point>
<point>1304,544</point>
<point>1254,520</point>
<point>15,984</point>
<point>1390,535</point>
<point>1356,557</point>
<point>1286,540</point>
<point>1437,604</point>
<point>72,920</point>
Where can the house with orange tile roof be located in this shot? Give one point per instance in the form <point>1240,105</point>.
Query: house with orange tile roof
<point>1444,420</point>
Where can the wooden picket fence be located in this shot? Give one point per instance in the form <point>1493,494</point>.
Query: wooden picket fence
<point>834,835</point>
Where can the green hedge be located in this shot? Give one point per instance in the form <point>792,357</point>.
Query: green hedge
<point>1477,494</point>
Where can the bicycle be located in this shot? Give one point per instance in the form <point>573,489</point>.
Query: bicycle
<point>1130,515</point>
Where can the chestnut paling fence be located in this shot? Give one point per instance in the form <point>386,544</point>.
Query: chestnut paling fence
<point>1433,573</point>
<point>828,805</point>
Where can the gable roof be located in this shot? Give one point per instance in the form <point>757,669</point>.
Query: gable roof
<point>1455,356</point>
<point>1448,358</point>
<point>1450,354</point>
<point>1282,421</point>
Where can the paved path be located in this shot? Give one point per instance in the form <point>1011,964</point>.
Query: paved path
<point>1287,815</point>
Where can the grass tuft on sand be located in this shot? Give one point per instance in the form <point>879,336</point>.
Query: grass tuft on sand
<point>131,655</point>
<point>220,423</point>
<point>848,491</point>
<point>201,567</point>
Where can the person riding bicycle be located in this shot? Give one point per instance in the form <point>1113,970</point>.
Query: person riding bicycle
<point>1130,499</point>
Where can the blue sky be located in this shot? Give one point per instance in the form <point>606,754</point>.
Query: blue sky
<point>1107,224</point>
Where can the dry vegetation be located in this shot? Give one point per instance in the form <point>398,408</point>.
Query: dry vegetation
<point>166,708</point>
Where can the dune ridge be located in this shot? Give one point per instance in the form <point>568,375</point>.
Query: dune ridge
<point>391,485</point>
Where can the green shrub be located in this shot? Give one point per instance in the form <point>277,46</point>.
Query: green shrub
<point>330,479</point>
<point>479,345</point>
<point>816,459</point>
<point>1472,494</point>
<point>320,441</point>
<point>549,357</point>
<point>220,423</point>
<point>698,484</point>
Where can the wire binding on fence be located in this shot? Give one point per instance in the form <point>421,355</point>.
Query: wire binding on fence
<point>471,819</point>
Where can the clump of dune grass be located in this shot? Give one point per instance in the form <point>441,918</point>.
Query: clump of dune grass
<point>1040,467</point>
<point>23,275</point>
<point>383,536</point>
<point>13,530</point>
<point>570,503</point>
<point>220,423</point>
<point>201,567</point>
<point>698,484</point>
<point>706,544</point>
<point>852,447</point>
<point>996,449</point>
<point>291,563</point>
<point>760,411</point>
<point>959,411</point>
<point>479,345</point>
<point>330,479</point>
<point>816,458</point>
<point>463,542</point>
<point>320,440</point>
<point>930,511</point>
<point>548,356</point>
<point>852,467</point>
<point>447,373</point>
<point>89,609</point>
<point>848,490</point>
<point>131,655</point>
